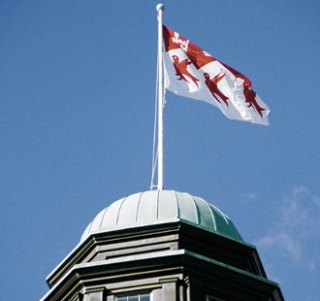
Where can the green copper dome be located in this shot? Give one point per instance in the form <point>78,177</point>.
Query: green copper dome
<point>154,207</point>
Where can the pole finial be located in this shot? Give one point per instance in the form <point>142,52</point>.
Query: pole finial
<point>159,7</point>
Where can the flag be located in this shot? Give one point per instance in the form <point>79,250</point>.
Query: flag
<point>191,72</point>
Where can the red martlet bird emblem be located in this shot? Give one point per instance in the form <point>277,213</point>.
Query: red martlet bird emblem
<point>212,85</point>
<point>181,70</point>
<point>250,96</point>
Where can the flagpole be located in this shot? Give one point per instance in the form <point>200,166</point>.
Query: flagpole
<point>160,9</point>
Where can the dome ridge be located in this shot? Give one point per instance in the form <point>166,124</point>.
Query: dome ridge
<point>161,206</point>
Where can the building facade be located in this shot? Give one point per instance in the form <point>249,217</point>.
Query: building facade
<point>161,246</point>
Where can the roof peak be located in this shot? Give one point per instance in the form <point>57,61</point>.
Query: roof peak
<point>161,206</point>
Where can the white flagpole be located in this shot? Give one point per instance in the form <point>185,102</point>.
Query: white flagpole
<point>160,8</point>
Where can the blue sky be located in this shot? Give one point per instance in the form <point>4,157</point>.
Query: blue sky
<point>77,88</point>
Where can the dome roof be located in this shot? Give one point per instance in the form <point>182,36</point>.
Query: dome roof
<point>154,207</point>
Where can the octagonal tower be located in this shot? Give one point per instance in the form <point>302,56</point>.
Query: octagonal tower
<point>161,245</point>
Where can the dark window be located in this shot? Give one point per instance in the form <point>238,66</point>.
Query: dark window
<point>210,298</point>
<point>139,297</point>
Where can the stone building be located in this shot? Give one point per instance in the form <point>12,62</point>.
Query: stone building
<point>161,245</point>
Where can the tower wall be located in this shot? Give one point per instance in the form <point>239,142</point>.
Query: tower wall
<point>170,261</point>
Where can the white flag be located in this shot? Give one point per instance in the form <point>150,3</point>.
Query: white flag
<point>193,73</point>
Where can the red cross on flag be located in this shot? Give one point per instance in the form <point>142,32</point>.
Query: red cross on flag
<point>193,73</point>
